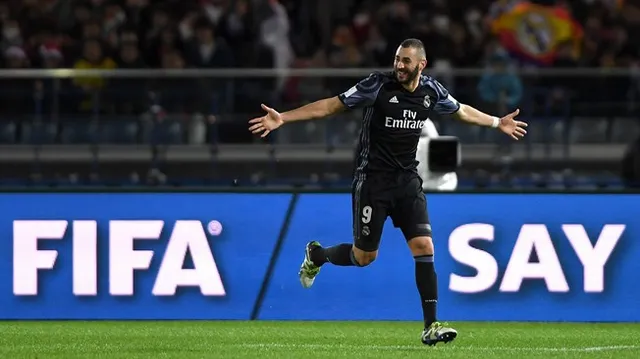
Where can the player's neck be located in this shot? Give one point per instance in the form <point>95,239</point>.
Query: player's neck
<point>412,86</point>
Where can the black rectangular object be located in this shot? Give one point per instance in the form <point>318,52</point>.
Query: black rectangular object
<point>444,154</point>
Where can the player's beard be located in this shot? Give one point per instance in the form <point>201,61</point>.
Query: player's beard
<point>409,75</point>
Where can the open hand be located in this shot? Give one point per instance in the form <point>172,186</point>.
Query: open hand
<point>511,127</point>
<point>267,123</point>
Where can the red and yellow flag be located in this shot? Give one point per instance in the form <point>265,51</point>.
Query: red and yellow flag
<point>535,31</point>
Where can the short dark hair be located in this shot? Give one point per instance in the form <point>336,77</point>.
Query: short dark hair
<point>416,44</point>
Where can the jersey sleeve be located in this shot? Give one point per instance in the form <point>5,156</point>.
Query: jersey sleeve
<point>364,93</point>
<point>446,104</point>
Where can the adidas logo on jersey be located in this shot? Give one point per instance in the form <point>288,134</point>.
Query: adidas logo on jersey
<point>394,99</point>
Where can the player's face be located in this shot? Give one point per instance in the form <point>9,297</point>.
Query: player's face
<point>407,65</point>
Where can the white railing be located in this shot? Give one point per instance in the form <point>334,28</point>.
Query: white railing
<point>309,72</point>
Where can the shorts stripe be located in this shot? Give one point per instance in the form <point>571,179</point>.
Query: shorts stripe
<point>356,207</point>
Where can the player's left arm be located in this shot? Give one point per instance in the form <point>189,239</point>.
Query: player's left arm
<point>447,104</point>
<point>474,116</point>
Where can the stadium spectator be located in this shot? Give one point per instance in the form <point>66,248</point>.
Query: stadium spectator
<point>375,46</point>
<point>82,13</point>
<point>168,40</point>
<point>16,58</point>
<point>51,56</point>
<point>160,20</point>
<point>93,58</point>
<point>395,26</point>
<point>207,51</point>
<point>17,94</point>
<point>275,32</point>
<point>129,57</point>
<point>11,34</point>
<point>128,95</point>
<point>129,34</point>
<point>343,52</point>
<point>560,92</point>
<point>173,93</point>
<point>237,26</point>
<point>499,87</point>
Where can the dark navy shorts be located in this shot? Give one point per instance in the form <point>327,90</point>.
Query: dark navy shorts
<point>378,196</point>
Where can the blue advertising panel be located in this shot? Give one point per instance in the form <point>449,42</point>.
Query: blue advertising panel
<point>534,257</point>
<point>135,256</point>
<point>546,257</point>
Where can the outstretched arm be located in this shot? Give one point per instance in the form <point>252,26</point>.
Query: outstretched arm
<point>507,124</point>
<point>447,105</point>
<point>474,116</point>
<point>363,94</point>
<point>315,110</point>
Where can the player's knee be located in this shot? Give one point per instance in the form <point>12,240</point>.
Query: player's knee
<point>421,246</point>
<point>363,258</point>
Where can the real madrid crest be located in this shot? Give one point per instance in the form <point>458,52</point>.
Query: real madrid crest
<point>427,101</point>
<point>366,231</point>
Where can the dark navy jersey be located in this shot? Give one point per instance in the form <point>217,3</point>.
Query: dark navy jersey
<point>393,118</point>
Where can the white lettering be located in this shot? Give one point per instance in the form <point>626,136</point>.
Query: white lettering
<point>123,259</point>
<point>534,237</point>
<point>404,124</point>
<point>593,258</point>
<point>483,262</point>
<point>188,236</point>
<point>27,259</point>
<point>409,114</point>
<point>85,257</point>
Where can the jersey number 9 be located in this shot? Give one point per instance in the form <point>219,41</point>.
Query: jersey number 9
<point>366,214</point>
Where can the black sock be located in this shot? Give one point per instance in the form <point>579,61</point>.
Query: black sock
<point>427,283</point>
<point>340,255</point>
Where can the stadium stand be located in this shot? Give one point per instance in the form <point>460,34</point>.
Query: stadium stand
<point>582,100</point>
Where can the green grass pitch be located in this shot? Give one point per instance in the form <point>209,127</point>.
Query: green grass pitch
<point>266,339</point>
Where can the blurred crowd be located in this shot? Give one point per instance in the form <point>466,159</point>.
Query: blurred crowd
<point>267,33</point>
<point>175,34</point>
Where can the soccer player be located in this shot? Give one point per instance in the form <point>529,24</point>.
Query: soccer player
<point>386,182</point>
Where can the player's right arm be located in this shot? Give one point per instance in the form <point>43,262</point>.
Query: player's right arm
<point>363,94</point>
<point>315,110</point>
<point>273,119</point>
